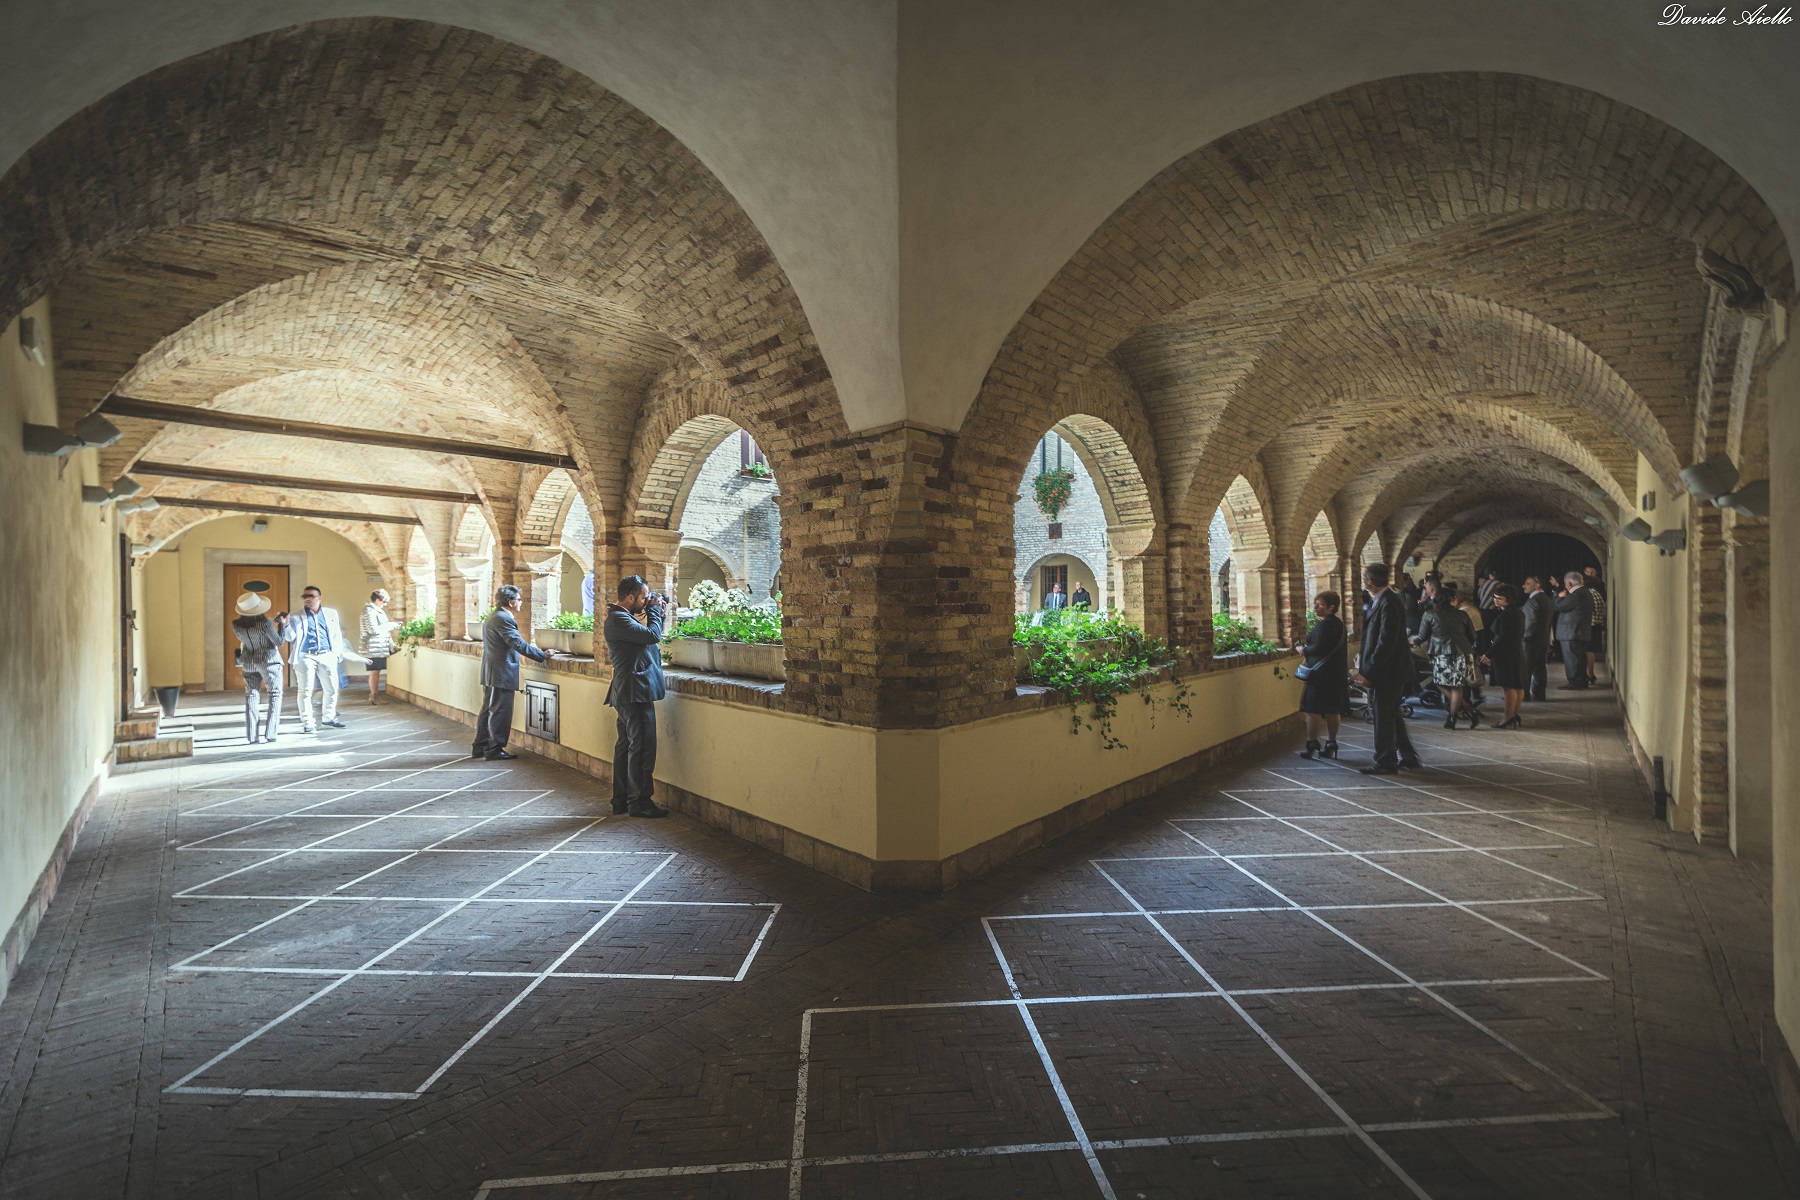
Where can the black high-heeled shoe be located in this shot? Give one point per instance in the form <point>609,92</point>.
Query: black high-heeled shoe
<point>1329,750</point>
<point>1312,749</point>
<point>1509,723</point>
<point>1450,721</point>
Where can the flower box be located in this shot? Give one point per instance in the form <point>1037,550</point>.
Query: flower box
<point>691,654</point>
<point>566,641</point>
<point>751,660</point>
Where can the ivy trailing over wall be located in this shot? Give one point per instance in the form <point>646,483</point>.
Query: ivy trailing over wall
<point>1234,635</point>
<point>1093,659</point>
<point>1052,490</point>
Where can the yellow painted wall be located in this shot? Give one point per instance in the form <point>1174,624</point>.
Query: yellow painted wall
<point>1647,602</point>
<point>58,689</point>
<point>1784,588</point>
<point>893,794</point>
<point>175,605</point>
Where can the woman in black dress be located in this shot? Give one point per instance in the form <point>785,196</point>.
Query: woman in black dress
<point>1506,652</point>
<point>1326,697</point>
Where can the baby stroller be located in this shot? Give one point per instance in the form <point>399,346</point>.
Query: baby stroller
<point>1363,710</point>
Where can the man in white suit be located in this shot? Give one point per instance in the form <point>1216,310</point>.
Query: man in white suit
<point>320,646</point>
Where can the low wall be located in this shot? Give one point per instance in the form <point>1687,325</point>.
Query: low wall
<point>885,809</point>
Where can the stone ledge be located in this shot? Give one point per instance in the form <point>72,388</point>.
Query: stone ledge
<point>758,693</point>
<point>901,875</point>
<point>25,926</point>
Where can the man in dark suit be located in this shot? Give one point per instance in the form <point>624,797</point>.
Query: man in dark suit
<point>633,629</point>
<point>1385,668</point>
<point>501,646</point>
<point>1574,628</point>
<point>1539,616</point>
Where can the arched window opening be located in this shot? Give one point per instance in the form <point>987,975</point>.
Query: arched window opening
<point>421,574</point>
<point>730,522</point>
<point>1250,590</point>
<point>1060,533</point>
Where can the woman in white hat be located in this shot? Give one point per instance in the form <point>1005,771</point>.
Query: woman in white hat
<point>259,658</point>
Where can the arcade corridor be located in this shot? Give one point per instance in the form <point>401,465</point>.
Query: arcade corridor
<point>368,967</point>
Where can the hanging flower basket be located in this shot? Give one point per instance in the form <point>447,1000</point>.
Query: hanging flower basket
<point>1052,490</point>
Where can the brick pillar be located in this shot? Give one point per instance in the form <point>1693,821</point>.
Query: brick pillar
<point>607,572</point>
<point>1143,594</point>
<point>651,552</point>
<point>1749,634</point>
<point>445,605</point>
<point>1709,755</point>
<point>1189,591</point>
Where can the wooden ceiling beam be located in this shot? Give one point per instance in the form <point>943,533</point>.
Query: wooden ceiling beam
<point>276,510</point>
<point>295,483</point>
<point>186,414</point>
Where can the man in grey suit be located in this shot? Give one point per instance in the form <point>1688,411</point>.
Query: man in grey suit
<point>501,646</point>
<point>1538,619</point>
<point>1574,627</point>
<point>633,629</point>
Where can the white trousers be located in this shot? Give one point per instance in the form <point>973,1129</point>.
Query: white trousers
<point>322,669</point>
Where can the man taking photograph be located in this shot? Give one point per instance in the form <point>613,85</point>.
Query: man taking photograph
<point>633,629</point>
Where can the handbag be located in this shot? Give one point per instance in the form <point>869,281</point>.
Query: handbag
<point>1303,672</point>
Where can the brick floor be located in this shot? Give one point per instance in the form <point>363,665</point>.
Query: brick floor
<point>364,965</point>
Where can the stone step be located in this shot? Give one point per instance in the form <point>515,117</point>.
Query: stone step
<point>137,728</point>
<point>174,745</point>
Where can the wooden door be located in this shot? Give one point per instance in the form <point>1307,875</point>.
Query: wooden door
<point>270,582</point>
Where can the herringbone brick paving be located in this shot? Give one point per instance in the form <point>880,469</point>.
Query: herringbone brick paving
<point>366,966</point>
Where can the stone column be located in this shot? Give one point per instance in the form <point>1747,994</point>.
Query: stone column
<point>466,574</point>
<point>537,572</point>
<point>1143,592</point>
<point>445,606</point>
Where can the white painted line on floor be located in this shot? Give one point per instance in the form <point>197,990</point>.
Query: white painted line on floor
<point>1337,1110</point>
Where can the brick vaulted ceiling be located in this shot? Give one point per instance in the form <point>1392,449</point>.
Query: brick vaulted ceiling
<point>394,226</point>
<point>1409,306</point>
<point>1398,306</point>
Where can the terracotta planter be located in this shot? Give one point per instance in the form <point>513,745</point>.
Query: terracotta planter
<point>749,661</point>
<point>690,654</point>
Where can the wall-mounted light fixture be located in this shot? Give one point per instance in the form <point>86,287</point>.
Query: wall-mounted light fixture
<point>1670,540</point>
<point>91,432</point>
<point>1716,481</point>
<point>31,340</point>
<point>1751,500</point>
<point>49,441</point>
<point>147,504</point>
<point>1638,530</point>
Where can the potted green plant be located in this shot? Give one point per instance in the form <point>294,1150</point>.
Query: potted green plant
<point>570,633</point>
<point>1052,489</point>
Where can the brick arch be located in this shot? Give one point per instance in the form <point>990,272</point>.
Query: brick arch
<point>1370,434</point>
<point>1420,478</point>
<point>1246,517</point>
<point>1433,520</point>
<point>671,473</point>
<point>163,525</point>
<point>542,518</point>
<point>1455,517</point>
<point>471,533</point>
<point>1482,542</point>
<point>1125,496</point>
<point>1361,346</point>
<point>354,136</point>
<point>1333,186</point>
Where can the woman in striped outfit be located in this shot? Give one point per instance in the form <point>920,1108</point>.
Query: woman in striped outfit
<point>377,639</point>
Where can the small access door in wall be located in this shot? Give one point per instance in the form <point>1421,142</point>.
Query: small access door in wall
<point>542,710</point>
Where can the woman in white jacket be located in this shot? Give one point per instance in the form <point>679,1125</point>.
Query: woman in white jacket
<point>377,639</point>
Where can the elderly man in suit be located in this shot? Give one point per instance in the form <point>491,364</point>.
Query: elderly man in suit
<point>320,646</point>
<point>633,629</point>
<point>1574,628</point>
<point>501,646</point>
<point>1385,667</point>
<point>1539,617</point>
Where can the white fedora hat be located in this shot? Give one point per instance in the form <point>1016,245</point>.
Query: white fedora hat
<point>250,604</point>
